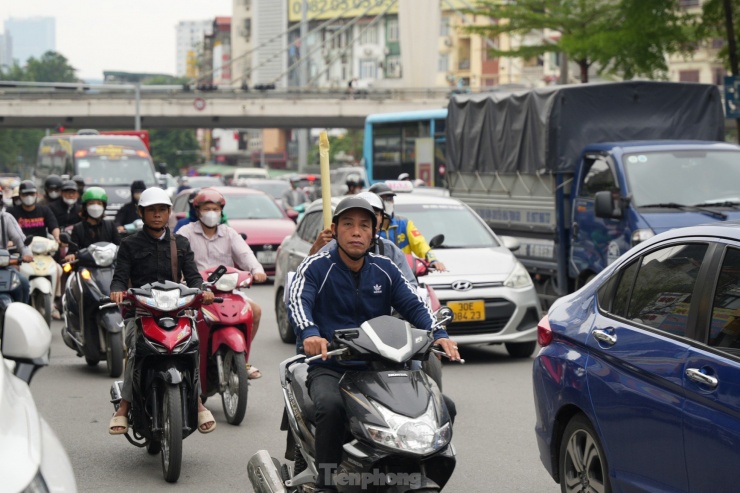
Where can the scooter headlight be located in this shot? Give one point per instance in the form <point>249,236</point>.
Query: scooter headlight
<point>4,260</point>
<point>227,282</point>
<point>39,248</point>
<point>165,300</point>
<point>15,281</point>
<point>104,256</point>
<point>416,435</point>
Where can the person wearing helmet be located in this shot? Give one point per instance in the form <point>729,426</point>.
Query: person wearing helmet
<point>16,197</point>
<point>52,190</point>
<point>404,177</point>
<point>325,242</point>
<point>214,244</point>
<point>80,181</point>
<point>93,228</point>
<point>142,258</point>
<point>129,212</point>
<point>295,196</point>
<point>67,210</point>
<point>10,232</point>
<point>341,289</point>
<point>401,230</point>
<point>355,184</point>
<point>34,219</point>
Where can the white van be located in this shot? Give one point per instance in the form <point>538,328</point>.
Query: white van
<point>250,173</point>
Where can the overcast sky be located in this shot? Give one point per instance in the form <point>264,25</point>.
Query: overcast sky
<point>125,35</point>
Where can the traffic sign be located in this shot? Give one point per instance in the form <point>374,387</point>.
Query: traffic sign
<point>732,96</point>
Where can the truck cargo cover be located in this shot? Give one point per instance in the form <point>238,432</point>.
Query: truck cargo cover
<point>546,129</point>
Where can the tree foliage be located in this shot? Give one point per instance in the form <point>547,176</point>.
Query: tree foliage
<point>18,147</point>
<point>625,37</point>
<point>347,144</point>
<point>166,143</point>
<point>714,26</point>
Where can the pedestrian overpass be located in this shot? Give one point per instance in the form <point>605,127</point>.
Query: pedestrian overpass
<point>168,107</point>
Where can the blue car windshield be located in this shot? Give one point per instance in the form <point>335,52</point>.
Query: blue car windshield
<point>690,177</point>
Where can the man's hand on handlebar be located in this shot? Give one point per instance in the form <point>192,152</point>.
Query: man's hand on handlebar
<point>27,258</point>
<point>207,297</point>
<point>315,345</point>
<point>449,347</point>
<point>70,258</point>
<point>117,297</point>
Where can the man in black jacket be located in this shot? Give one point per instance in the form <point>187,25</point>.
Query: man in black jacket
<point>144,257</point>
<point>67,210</point>
<point>130,212</point>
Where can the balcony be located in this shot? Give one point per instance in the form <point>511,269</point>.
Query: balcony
<point>463,64</point>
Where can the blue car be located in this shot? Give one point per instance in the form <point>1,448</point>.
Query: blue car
<point>637,384</point>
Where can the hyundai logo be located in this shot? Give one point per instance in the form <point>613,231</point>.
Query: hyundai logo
<point>462,285</point>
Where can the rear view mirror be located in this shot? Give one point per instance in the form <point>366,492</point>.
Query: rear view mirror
<point>437,241</point>
<point>26,340</point>
<point>216,274</point>
<point>605,207</point>
<point>28,240</point>
<point>510,242</point>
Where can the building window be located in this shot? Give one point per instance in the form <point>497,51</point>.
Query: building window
<point>685,4</point>
<point>719,76</point>
<point>444,27</point>
<point>688,76</point>
<point>392,30</point>
<point>368,68</point>
<point>443,63</point>
<point>393,67</point>
<point>717,43</point>
<point>369,35</point>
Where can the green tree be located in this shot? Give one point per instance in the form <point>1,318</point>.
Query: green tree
<point>624,37</point>
<point>175,147</point>
<point>714,26</point>
<point>347,144</point>
<point>18,147</point>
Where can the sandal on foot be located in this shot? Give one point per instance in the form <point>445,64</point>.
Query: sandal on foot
<point>205,417</point>
<point>253,372</point>
<point>118,422</point>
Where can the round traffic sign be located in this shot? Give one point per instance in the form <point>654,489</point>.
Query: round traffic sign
<point>199,104</point>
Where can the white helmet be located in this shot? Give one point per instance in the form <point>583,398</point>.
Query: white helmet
<point>154,196</point>
<point>372,199</point>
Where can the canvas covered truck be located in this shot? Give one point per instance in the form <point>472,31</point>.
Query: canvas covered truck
<point>580,174</point>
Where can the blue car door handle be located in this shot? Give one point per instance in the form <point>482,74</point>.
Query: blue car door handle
<point>698,376</point>
<point>603,336</point>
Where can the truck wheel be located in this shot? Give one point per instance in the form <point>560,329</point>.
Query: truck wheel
<point>283,323</point>
<point>520,349</point>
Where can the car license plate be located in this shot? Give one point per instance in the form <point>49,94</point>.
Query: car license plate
<point>267,257</point>
<point>468,311</point>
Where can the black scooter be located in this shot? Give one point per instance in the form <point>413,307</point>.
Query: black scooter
<point>401,430</point>
<point>92,329</point>
<point>9,277</point>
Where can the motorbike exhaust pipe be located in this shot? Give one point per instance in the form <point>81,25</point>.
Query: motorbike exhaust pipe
<point>264,473</point>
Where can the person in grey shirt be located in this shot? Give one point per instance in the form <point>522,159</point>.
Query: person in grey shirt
<point>10,231</point>
<point>325,243</point>
<point>294,196</point>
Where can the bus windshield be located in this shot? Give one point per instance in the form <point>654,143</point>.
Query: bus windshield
<point>100,170</point>
<point>410,142</point>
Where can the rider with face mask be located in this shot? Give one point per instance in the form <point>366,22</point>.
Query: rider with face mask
<point>215,244</point>
<point>67,210</point>
<point>52,190</point>
<point>129,213</point>
<point>34,219</point>
<point>94,227</point>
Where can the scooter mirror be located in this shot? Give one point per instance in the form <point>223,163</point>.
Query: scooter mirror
<point>437,241</point>
<point>244,236</point>
<point>216,274</point>
<point>444,315</point>
<point>66,238</point>
<point>28,240</point>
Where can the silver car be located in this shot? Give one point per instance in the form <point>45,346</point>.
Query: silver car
<point>487,288</point>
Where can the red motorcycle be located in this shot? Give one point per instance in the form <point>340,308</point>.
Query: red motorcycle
<point>164,409</point>
<point>225,332</point>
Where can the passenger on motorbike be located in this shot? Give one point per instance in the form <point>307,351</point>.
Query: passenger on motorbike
<point>80,181</point>
<point>325,242</point>
<point>401,230</point>
<point>67,210</point>
<point>342,289</point>
<point>10,232</point>
<point>218,244</point>
<point>129,212</point>
<point>142,258</point>
<point>355,184</point>
<point>93,227</point>
<point>52,190</point>
<point>16,197</point>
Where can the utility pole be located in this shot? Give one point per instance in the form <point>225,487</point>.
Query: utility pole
<point>303,81</point>
<point>732,50</point>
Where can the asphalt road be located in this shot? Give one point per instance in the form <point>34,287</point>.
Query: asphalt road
<point>493,434</point>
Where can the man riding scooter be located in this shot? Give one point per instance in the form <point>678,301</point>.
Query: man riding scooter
<point>10,231</point>
<point>216,244</point>
<point>93,228</point>
<point>342,289</point>
<point>151,255</point>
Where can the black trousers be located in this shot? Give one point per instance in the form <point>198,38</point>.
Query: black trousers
<point>331,418</point>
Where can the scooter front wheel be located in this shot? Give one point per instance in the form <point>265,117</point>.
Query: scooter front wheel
<point>171,443</point>
<point>42,303</point>
<point>114,354</point>
<point>234,396</point>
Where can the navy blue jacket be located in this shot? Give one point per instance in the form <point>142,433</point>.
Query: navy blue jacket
<point>325,296</point>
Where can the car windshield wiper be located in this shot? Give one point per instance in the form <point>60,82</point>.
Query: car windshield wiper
<point>684,207</point>
<point>723,203</point>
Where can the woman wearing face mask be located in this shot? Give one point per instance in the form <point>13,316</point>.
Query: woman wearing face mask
<point>67,210</point>
<point>94,227</point>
